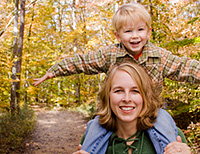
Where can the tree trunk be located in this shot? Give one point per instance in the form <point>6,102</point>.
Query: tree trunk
<point>27,61</point>
<point>19,53</point>
<point>17,58</point>
<point>14,67</point>
<point>77,84</point>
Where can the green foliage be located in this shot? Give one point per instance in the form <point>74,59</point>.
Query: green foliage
<point>88,110</point>
<point>49,36</point>
<point>193,137</point>
<point>180,43</point>
<point>182,101</point>
<point>197,39</point>
<point>14,129</point>
<point>193,20</point>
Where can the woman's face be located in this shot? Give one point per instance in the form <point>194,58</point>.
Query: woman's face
<point>125,99</point>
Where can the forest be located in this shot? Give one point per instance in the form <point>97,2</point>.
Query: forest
<point>35,34</point>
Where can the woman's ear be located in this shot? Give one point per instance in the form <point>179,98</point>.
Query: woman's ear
<point>117,36</point>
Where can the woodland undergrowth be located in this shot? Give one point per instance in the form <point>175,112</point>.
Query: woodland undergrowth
<point>16,129</point>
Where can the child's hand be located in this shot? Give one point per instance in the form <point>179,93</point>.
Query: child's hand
<point>177,147</point>
<point>81,152</point>
<point>48,75</point>
<point>79,147</point>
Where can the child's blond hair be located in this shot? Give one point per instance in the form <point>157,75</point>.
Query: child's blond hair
<point>133,11</point>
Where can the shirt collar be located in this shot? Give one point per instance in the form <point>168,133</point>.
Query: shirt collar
<point>152,50</point>
<point>149,50</point>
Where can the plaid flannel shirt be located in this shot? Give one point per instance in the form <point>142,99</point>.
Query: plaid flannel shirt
<point>158,63</point>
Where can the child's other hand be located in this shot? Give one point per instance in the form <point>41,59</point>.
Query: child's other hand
<point>81,152</point>
<point>177,147</point>
<point>48,75</point>
<point>79,147</point>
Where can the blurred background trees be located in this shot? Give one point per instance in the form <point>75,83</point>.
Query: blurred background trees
<point>57,28</point>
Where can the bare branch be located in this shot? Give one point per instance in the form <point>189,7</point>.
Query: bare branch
<point>9,23</point>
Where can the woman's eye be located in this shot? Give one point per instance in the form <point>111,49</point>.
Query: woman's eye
<point>117,91</point>
<point>136,91</point>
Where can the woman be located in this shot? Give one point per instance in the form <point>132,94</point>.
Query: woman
<point>128,109</point>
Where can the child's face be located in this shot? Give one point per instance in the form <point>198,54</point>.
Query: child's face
<point>134,35</point>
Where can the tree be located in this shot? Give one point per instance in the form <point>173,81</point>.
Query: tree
<point>17,58</point>
<point>14,68</point>
<point>51,35</point>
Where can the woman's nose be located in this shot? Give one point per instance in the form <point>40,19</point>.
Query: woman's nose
<point>127,98</point>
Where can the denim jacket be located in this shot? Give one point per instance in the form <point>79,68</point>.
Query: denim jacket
<point>161,134</point>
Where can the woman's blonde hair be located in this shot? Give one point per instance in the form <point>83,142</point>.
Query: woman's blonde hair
<point>151,99</point>
<point>133,11</point>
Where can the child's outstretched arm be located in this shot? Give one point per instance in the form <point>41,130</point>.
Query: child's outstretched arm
<point>90,63</point>
<point>48,75</point>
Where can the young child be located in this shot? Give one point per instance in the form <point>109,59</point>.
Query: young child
<point>132,28</point>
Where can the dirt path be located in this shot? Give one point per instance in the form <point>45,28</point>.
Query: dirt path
<point>57,132</point>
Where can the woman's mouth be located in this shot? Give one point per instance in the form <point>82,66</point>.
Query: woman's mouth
<point>127,108</point>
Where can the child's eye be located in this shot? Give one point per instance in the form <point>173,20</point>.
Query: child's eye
<point>141,29</point>
<point>127,31</point>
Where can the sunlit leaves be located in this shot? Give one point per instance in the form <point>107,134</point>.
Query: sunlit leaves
<point>50,36</point>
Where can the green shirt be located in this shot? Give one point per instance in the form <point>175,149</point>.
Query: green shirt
<point>158,62</point>
<point>141,145</point>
